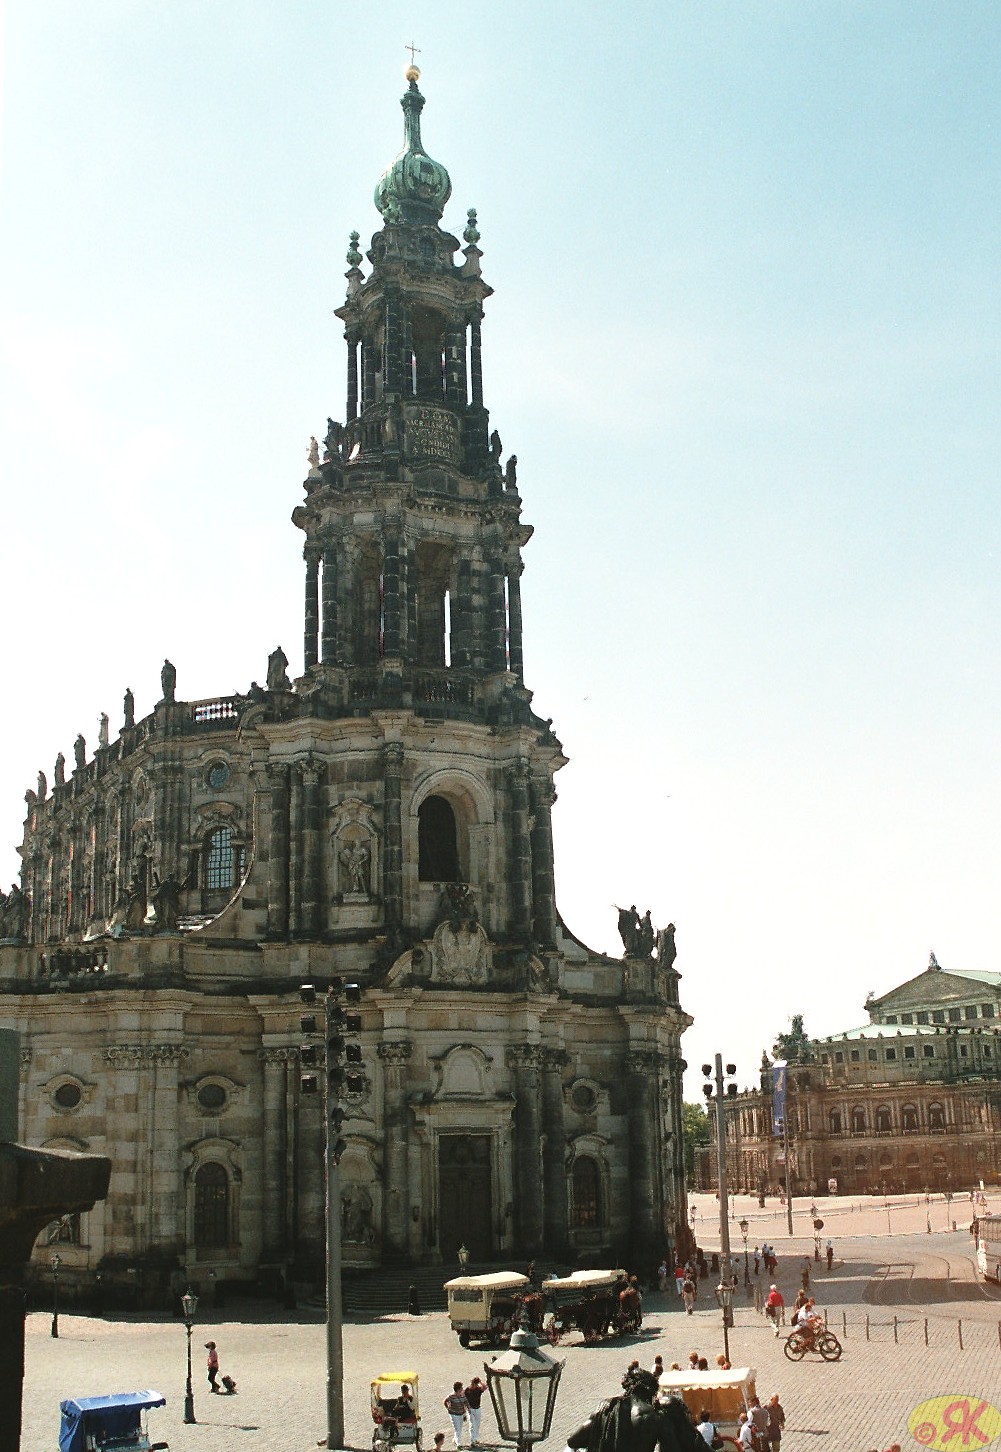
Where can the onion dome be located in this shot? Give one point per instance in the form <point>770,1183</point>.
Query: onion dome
<point>415,188</point>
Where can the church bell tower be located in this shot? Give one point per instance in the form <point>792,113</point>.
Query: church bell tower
<point>413,632</point>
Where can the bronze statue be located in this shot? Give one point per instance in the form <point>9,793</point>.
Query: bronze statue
<point>632,1422</point>
<point>129,708</point>
<point>168,681</point>
<point>278,671</point>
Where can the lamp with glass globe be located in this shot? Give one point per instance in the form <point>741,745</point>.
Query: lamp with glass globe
<point>522,1385</point>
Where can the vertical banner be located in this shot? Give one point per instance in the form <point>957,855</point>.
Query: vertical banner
<point>778,1096</point>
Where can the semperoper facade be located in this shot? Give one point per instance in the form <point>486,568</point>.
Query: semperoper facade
<point>386,817</point>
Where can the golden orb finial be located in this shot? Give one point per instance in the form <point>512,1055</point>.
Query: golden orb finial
<point>412,73</point>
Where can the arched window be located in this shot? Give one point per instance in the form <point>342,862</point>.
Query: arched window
<point>586,1193</point>
<point>858,1120</point>
<point>211,1206</point>
<point>369,619</point>
<point>936,1117</point>
<point>909,1117</point>
<point>427,330</point>
<point>835,1121</point>
<point>883,1122</point>
<point>220,860</point>
<point>437,841</point>
<point>432,593</point>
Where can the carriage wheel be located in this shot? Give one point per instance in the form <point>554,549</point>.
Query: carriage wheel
<point>464,1340</point>
<point>829,1346</point>
<point>795,1347</point>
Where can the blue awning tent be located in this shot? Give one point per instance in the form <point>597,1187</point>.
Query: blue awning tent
<point>116,1414</point>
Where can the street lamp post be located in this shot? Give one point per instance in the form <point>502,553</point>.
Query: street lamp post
<point>713,1089</point>
<point>55,1263</point>
<point>522,1385</point>
<point>189,1305</point>
<point>343,1071</point>
<point>743,1227</point>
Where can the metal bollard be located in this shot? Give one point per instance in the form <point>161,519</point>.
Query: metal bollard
<point>844,1326</point>
<point>926,1330</point>
<point>959,1325</point>
<point>895,1341</point>
<point>867,1328</point>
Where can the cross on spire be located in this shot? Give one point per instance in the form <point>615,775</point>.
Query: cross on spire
<point>414,50</point>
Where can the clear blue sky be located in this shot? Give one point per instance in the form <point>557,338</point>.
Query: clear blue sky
<point>745,345</point>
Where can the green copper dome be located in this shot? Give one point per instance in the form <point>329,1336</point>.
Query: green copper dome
<point>415,188</point>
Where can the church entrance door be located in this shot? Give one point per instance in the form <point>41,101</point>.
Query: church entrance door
<point>464,1199</point>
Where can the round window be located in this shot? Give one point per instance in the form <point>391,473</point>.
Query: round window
<point>583,1098</point>
<point>218,775</point>
<point>68,1096</point>
<point>212,1096</point>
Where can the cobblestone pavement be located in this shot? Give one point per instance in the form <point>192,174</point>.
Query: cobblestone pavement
<point>863,1401</point>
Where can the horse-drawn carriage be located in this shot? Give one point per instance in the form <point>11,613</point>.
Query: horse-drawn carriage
<point>487,1308</point>
<point>597,1303</point>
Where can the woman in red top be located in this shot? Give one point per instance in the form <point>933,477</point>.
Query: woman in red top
<point>775,1307</point>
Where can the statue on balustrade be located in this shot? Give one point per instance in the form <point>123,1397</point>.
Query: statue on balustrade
<point>129,709</point>
<point>80,753</point>
<point>166,902</point>
<point>168,681</point>
<point>13,914</point>
<point>278,671</point>
<point>59,771</point>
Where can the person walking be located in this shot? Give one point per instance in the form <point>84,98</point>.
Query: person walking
<point>775,1307</point>
<point>474,1395</point>
<point>457,1408</point>
<point>212,1361</point>
<point>776,1421</point>
<point>758,1418</point>
<point>830,1257</point>
<point>688,1294</point>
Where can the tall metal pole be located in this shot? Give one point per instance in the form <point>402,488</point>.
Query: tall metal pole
<point>189,1396</point>
<point>335,1349</point>
<point>726,1276</point>
<point>785,1150</point>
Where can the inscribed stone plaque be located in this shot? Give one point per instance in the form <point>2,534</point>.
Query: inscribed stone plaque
<point>432,433</point>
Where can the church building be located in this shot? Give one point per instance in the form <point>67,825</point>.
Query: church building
<point>384,817</point>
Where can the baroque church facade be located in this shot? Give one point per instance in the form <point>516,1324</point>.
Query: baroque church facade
<point>384,817</point>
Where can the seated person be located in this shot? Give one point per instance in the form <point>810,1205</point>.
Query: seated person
<point>403,1410</point>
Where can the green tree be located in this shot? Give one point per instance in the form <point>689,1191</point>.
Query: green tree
<point>695,1127</point>
<point>795,1046</point>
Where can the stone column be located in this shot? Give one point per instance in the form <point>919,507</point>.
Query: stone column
<point>167,1206</point>
<point>278,850</point>
<point>396,1201</point>
<point>295,863</point>
<point>641,1076</point>
<point>310,923</point>
<point>392,377</point>
<point>329,638</point>
<point>524,1061</point>
<point>392,846</point>
<point>543,884</point>
<point>275,1061</point>
<point>391,597</point>
<point>346,556</point>
<point>455,365</point>
<point>352,405</point>
<point>554,1175</point>
<point>515,653</point>
<point>311,614</point>
<point>497,618</point>
<point>520,848</point>
<point>369,359</point>
<point>476,361</point>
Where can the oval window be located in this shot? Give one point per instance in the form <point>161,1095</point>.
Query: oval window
<point>212,1096</point>
<point>218,775</point>
<point>583,1098</point>
<point>68,1096</point>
